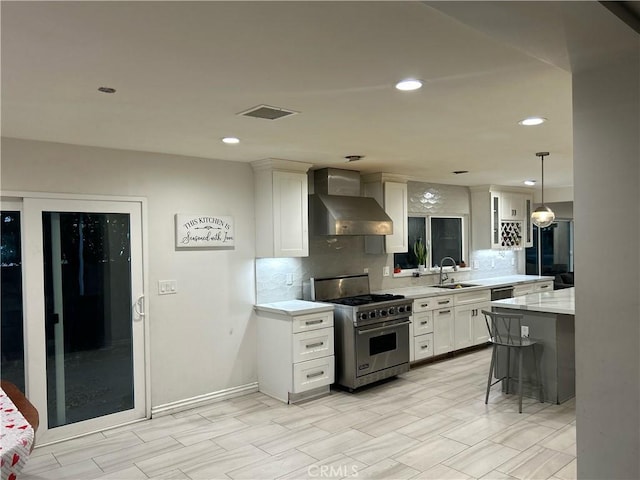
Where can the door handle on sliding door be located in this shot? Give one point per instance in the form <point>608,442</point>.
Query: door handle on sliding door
<point>138,307</point>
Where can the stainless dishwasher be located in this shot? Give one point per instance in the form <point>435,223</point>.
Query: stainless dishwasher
<point>499,293</point>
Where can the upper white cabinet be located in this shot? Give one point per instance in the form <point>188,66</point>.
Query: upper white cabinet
<point>282,208</point>
<point>511,206</point>
<point>500,219</point>
<point>391,194</point>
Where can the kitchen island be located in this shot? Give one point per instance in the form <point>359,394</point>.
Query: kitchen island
<point>550,317</point>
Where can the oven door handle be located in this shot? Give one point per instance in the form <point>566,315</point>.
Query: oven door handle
<point>362,332</point>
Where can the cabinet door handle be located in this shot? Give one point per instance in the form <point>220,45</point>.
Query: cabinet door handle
<point>317,374</point>
<point>543,286</point>
<point>443,312</point>
<point>424,305</point>
<point>424,346</point>
<point>313,322</point>
<point>444,302</point>
<point>424,322</point>
<point>313,345</point>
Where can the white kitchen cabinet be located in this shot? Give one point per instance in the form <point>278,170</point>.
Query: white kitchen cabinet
<point>422,341</point>
<point>512,206</point>
<point>282,211</point>
<point>528,224</point>
<point>443,331</point>
<point>423,346</point>
<point>480,331</point>
<point>392,196</point>
<point>523,289</point>
<point>469,318</point>
<point>295,352</point>
<point>499,218</point>
<point>544,286</point>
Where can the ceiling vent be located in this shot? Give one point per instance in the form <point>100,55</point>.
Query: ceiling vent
<point>267,112</point>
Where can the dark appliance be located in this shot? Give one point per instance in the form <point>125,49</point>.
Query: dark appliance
<point>500,293</point>
<point>371,331</point>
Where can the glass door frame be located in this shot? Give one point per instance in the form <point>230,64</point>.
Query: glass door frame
<point>31,208</point>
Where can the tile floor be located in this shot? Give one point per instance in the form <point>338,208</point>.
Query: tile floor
<point>430,423</point>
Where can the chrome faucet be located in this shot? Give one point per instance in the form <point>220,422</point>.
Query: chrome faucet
<point>443,277</point>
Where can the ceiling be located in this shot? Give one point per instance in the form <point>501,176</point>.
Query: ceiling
<point>184,70</point>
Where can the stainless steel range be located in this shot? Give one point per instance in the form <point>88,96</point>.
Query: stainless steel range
<point>371,331</point>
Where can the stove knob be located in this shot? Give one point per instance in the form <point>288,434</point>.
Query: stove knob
<point>408,308</point>
<point>363,316</point>
<point>372,314</point>
<point>383,313</point>
<point>401,309</point>
<point>392,310</point>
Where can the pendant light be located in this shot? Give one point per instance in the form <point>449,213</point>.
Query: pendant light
<point>542,216</point>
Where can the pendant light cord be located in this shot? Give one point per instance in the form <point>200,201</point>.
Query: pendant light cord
<point>542,164</point>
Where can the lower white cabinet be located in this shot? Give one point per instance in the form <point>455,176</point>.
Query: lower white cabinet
<point>423,346</point>
<point>295,354</point>
<point>545,286</point>
<point>425,311</point>
<point>534,287</point>
<point>480,329</point>
<point>442,324</point>
<point>443,331</point>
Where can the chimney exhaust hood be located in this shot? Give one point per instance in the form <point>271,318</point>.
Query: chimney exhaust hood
<point>336,207</point>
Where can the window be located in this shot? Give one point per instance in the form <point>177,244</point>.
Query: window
<point>446,237</point>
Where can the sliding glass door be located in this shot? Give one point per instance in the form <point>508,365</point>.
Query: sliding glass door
<point>83,313</point>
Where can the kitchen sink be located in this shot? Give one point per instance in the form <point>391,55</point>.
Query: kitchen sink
<point>456,285</point>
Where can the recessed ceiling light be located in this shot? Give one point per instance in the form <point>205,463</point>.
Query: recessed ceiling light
<point>530,182</point>
<point>107,90</point>
<point>531,121</point>
<point>409,84</point>
<point>231,140</point>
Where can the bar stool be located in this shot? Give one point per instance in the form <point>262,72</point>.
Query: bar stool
<point>504,331</point>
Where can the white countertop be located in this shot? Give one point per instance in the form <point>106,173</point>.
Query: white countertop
<point>430,291</point>
<point>557,301</point>
<point>294,307</point>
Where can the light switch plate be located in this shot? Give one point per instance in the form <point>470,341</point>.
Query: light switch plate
<point>386,271</point>
<point>167,287</point>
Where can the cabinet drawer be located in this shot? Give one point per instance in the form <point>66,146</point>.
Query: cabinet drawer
<point>312,321</point>
<point>431,303</point>
<point>313,373</point>
<point>476,296</point>
<point>542,287</point>
<point>422,323</point>
<point>520,290</point>
<point>312,344</point>
<point>423,346</point>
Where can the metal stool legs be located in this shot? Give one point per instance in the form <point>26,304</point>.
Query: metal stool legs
<point>493,363</point>
<point>492,368</point>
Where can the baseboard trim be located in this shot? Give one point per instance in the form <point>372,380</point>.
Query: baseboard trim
<point>187,403</point>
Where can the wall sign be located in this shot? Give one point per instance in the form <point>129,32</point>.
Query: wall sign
<point>204,231</point>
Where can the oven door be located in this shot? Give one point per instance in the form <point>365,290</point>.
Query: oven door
<point>381,345</point>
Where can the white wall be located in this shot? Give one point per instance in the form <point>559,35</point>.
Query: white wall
<point>202,339</point>
<point>607,225</point>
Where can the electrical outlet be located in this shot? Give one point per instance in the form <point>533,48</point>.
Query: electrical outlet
<point>524,331</point>
<point>513,262</point>
<point>289,278</point>
<point>493,263</point>
<point>476,264</point>
<point>386,271</point>
<point>366,270</point>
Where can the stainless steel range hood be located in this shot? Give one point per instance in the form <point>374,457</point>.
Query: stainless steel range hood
<point>336,207</point>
